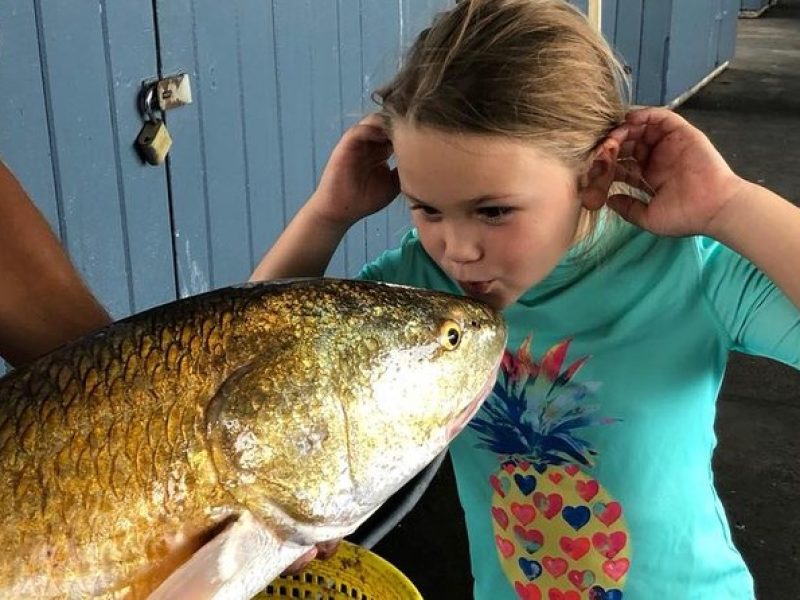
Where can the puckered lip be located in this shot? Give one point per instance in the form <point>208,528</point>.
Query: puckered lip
<point>476,287</point>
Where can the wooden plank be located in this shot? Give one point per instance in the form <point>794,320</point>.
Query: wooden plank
<point>628,38</point>
<point>350,74</point>
<point>24,136</point>
<point>263,151</point>
<point>75,56</point>
<point>693,41</point>
<point>610,21</point>
<point>131,58</point>
<point>380,51</point>
<point>653,55</point>
<point>187,162</point>
<point>713,14</point>
<point>728,29</point>
<point>221,120</point>
<point>326,99</point>
<point>293,53</point>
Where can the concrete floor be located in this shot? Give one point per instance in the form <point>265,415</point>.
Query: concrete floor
<point>752,113</point>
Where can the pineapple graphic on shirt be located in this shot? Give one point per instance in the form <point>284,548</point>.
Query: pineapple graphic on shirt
<point>559,534</point>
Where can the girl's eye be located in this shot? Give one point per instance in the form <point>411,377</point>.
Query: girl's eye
<point>494,213</point>
<point>425,210</point>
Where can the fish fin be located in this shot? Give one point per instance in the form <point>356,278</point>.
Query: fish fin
<point>237,563</point>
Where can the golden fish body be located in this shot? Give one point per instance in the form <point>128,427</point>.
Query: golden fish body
<point>300,405</point>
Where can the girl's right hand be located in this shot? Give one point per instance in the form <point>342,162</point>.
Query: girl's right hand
<point>357,181</point>
<point>688,181</point>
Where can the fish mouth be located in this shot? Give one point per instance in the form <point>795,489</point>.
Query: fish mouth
<point>469,411</point>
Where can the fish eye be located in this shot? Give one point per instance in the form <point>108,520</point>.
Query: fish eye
<point>450,335</point>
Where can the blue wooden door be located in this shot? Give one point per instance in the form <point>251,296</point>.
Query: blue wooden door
<point>729,14</point>
<point>275,85</point>
<point>669,46</point>
<point>69,76</point>
<point>622,27</point>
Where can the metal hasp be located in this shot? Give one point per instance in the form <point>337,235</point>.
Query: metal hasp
<point>165,94</point>
<point>172,92</point>
<point>159,96</point>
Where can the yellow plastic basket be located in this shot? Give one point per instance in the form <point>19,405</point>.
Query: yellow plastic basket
<point>353,573</point>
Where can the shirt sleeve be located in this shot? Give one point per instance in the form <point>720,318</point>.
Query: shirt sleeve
<point>403,265</point>
<point>758,318</point>
<point>384,268</point>
<point>409,264</point>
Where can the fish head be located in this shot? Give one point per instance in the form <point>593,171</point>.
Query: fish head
<point>364,385</point>
<point>434,360</point>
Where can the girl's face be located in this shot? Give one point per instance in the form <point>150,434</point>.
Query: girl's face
<point>496,215</point>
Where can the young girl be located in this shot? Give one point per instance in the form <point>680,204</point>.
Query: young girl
<point>587,474</point>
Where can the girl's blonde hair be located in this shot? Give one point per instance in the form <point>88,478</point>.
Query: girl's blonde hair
<point>533,70</point>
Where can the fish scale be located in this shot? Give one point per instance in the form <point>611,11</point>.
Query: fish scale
<point>90,384</point>
<point>125,452</point>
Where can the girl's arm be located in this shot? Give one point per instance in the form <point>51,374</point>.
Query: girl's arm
<point>357,182</point>
<point>694,192</point>
<point>305,247</point>
<point>765,229</point>
<point>43,301</point>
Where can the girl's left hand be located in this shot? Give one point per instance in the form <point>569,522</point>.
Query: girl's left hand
<point>322,551</point>
<point>677,165</point>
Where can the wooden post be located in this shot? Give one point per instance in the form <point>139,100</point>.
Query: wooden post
<point>595,12</point>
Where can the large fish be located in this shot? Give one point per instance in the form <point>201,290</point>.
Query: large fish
<point>197,449</point>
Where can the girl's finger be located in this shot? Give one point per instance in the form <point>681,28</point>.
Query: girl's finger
<point>626,149</point>
<point>327,549</point>
<point>300,563</point>
<point>661,118</point>
<point>642,154</point>
<point>651,125</point>
<point>373,119</point>
<point>620,134</point>
<point>371,133</point>
<point>633,178</point>
<point>374,124</point>
<point>628,172</point>
<point>629,208</point>
<point>634,132</point>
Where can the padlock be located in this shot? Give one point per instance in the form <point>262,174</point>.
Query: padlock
<point>154,142</point>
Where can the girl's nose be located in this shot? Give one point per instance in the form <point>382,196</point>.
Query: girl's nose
<point>462,245</point>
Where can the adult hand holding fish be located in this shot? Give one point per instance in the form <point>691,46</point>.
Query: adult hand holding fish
<point>198,449</point>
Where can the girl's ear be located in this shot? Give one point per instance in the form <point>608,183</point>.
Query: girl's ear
<point>597,179</point>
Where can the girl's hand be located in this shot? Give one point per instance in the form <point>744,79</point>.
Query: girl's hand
<point>677,165</point>
<point>322,551</point>
<point>357,180</point>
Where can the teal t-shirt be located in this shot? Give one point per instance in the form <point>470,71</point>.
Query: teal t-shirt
<point>587,473</point>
